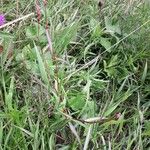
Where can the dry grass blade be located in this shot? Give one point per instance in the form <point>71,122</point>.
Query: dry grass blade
<point>49,41</point>
<point>103,141</point>
<point>72,128</point>
<point>16,20</point>
<point>87,140</point>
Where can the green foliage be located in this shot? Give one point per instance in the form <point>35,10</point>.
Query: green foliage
<point>77,101</point>
<point>98,69</point>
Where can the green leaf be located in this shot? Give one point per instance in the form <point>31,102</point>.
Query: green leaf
<point>34,31</point>
<point>110,68</point>
<point>144,72</point>
<point>6,35</point>
<point>96,28</point>
<point>114,61</point>
<point>31,32</point>
<point>51,142</point>
<point>121,97</point>
<point>41,66</point>
<point>9,96</point>
<point>77,102</point>
<point>64,37</point>
<point>112,28</point>
<point>31,65</point>
<point>147,129</point>
<point>105,43</point>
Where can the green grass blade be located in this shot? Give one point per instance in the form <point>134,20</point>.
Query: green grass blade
<point>41,66</point>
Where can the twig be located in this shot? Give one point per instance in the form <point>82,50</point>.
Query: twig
<point>49,42</point>
<point>16,20</point>
<point>94,120</point>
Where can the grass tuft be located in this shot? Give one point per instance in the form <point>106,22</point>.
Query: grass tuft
<point>75,75</point>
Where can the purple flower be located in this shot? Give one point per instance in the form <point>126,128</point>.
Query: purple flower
<point>2,19</point>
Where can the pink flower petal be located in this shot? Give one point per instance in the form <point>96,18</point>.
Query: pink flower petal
<point>2,19</point>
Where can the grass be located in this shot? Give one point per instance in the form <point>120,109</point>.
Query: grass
<point>89,89</point>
